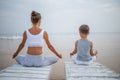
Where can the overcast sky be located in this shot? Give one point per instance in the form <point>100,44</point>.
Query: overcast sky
<point>60,16</point>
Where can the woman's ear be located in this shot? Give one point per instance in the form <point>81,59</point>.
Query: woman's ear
<point>39,23</point>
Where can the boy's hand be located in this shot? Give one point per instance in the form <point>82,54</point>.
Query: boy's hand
<point>59,55</point>
<point>96,52</point>
<point>71,54</point>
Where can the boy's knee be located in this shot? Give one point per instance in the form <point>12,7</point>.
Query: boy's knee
<point>94,58</point>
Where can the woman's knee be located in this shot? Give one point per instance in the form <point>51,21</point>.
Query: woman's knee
<point>50,60</point>
<point>19,59</point>
<point>53,59</point>
<point>56,58</point>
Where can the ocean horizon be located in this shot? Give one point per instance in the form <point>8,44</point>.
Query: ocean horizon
<point>19,35</point>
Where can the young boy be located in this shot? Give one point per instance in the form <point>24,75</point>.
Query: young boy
<point>83,48</point>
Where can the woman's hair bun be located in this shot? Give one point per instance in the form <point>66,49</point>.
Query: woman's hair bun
<point>35,17</point>
<point>33,13</point>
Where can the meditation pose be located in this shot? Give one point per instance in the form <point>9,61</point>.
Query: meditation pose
<point>35,36</point>
<point>83,48</point>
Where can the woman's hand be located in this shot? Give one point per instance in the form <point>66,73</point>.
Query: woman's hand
<point>59,55</point>
<point>50,45</point>
<point>21,45</point>
<point>14,55</point>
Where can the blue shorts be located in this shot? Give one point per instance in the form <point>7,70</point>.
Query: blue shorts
<point>36,60</point>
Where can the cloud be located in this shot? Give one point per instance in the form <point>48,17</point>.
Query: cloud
<point>56,13</point>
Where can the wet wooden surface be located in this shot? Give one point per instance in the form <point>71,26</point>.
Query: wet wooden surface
<point>95,71</point>
<point>18,72</point>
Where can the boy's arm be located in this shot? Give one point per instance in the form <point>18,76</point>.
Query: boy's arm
<point>91,50</point>
<point>75,49</point>
<point>21,45</point>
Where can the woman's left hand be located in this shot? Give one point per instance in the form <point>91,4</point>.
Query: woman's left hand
<point>59,55</point>
<point>14,55</point>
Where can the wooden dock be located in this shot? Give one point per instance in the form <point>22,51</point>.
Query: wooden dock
<point>94,71</point>
<point>18,72</point>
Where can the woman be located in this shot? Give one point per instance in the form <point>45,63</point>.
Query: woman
<point>35,37</point>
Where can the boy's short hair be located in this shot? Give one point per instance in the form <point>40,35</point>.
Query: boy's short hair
<point>84,29</point>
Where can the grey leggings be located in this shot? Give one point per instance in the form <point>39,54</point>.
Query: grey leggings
<point>36,60</point>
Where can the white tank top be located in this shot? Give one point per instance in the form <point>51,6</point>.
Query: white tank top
<point>35,40</point>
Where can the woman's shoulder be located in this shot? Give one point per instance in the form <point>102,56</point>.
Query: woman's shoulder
<point>45,34</point>
<point>27,30</point>
<point>44,31</point>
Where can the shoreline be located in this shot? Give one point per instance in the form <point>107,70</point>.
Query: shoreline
<point>58,34</point>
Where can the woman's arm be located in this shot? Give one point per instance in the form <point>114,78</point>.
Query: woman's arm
<point>91,50</point>
<point>21,45</point>
<point>50,45</point>
<point>75,49</point>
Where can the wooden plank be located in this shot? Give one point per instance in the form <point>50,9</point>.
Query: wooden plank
<point>19,72</point>
<point>26,71</point>
<point>14,78</point>
<point>94,71</point>
<point>90,78</point>
<point>17,66</point>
